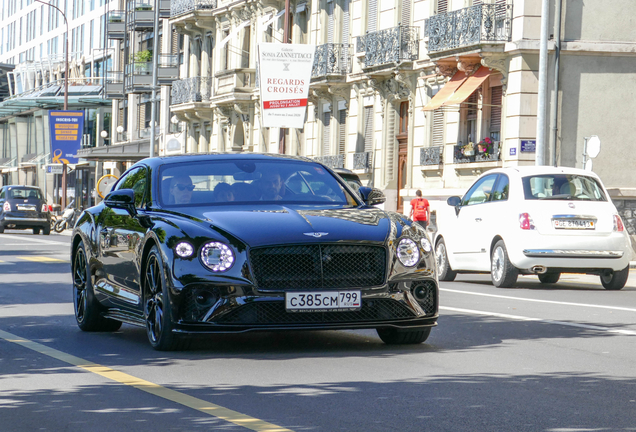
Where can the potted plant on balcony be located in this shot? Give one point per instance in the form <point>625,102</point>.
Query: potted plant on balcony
<point>115,19</point>
<point>485,147</point>
<point>468,149</point>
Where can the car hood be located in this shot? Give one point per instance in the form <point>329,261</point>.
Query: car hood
<point>280,224</point>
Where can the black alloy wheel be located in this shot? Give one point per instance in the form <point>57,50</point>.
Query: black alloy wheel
<point>615,280</point>
<point>502,272</point>
<point>157,309</point>
<point>549,278</point>
<point>446,273</point>
<point>87,308</point>
<point>393,336</point>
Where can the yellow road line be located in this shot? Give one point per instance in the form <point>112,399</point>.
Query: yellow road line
<point>43,259</point>
<point>149,387</point>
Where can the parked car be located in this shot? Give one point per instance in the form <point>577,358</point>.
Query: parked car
<point>534,220</point>
<point>352,179</point>
<point>197,244</point>
<point>24,207</point>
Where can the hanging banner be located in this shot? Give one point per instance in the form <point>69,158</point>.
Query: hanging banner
<point>67,128</point>
<point>284,75</point>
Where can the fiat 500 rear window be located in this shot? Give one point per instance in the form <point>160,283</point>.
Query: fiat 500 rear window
<point>562,187</point>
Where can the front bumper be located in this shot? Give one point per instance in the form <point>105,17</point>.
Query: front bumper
<point>394,306</point>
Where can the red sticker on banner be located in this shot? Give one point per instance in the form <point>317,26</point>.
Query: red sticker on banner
<point>289,103</point>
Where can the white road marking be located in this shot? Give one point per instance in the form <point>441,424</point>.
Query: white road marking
<point>28,239</point>
<point>522,318</point>
<point>539,301</point>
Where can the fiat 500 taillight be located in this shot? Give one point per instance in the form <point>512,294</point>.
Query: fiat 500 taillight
<point>618,223</point>
<point>6,207</point>
<point>525,222</point>
<point>45,208</point>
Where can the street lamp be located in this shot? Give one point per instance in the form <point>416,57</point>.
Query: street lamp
<point>65,91</point>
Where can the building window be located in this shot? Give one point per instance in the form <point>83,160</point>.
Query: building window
<point>496,97</point>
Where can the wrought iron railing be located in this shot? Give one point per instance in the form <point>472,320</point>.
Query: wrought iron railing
<point>392,45</point>
<point>362,160</point>
<point>431,155</point>
<point>336,161</point>
<point>195,89</point>
<point>332,59</point>
<point>469,26</point>
<point>462,155</point>
<point>179,7</point>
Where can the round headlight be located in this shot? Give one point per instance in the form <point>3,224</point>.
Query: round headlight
<point>408,252</point>
<point>426,245</point>
<point>217,256</point>
<point>184,249</point>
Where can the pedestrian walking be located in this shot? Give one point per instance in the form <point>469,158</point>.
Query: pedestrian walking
<point>420,210</point>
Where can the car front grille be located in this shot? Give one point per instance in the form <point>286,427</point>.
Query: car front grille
<point>266,312</point>
<point>318,266</point>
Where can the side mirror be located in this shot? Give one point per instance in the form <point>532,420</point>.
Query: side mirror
<point>453,201</point>
<point>371,196</point>
<point>122,199</point>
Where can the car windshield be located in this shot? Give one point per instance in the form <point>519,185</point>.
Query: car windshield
<point>563,187</point>
<point>24,193</point>
<point>255,181</point>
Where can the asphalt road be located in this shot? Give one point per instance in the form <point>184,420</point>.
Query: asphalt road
<point>530,358</point>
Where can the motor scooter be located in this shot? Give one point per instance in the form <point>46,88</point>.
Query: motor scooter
<point>67,220</point>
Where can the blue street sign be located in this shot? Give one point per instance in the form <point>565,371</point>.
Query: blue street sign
<point>67,128</point>
<point>528,146</point>
<point>513,151</point>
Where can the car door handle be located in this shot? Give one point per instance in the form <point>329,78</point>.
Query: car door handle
<point>477,219</point>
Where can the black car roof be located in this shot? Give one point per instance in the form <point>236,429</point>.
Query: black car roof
<point>195,157</point>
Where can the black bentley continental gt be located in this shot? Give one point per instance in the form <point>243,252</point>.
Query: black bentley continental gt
<point>221,243</point>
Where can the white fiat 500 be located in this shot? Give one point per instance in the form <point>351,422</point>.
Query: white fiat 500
<point>534,220</point>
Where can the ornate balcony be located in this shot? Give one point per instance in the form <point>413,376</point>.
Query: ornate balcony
<point>475,25</point>
<point>462,157</point>
<point>234,85</point>
<point>332,59</point>
<point>182,7</point>
<point>336,161</point>
<point>362,161</point>
<point>394,45</point>
<point>431,155</point>
<point>115,26</point>
<point>190,90</point>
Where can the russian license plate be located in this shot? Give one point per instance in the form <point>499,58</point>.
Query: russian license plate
<point>25,207</point>
<point>574,224</point>
<point>323,301</point>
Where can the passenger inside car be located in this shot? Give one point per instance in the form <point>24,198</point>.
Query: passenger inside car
<point>223,192</point>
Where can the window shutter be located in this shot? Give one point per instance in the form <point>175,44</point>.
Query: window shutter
<point>368,129</point>
<point>342,132</point>
<point>141,115</point>
<point>345,22</point>
<point>372,16</point>
<point>496,95</point>
<point>174,45</point>
<point>330,22</point>
<point>477,2</point>
<point>442,7</point>
<point>437,138</point>
<point>406,12</point>
<point>390,148</point>
<point>326,132</point>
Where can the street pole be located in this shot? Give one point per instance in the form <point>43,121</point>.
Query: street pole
<point>282,134</point>
<point>155,62</point>
<point>65,91</point>
<point>543,85</point>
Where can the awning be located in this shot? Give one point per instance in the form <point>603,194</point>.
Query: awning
<point>446,91</point>
<point>469,86</point>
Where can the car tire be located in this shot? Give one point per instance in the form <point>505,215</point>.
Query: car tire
<point>59,226</point>
<point>446,273</point>
<point>46,230</point>
<point>87,308</point>
<point>549,278</point>
<point>615,280</point>
<point>1,229</point>
<point>393,336</point>
<point>157,306</point>
<point>36,231</point>
<point>502,272</point>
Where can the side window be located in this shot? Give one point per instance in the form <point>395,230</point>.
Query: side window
<point>502,189</point>
<point>480,192</point>
<point>136,180</point>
